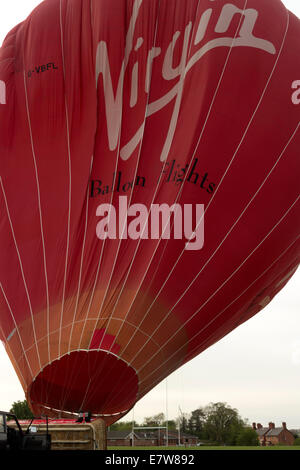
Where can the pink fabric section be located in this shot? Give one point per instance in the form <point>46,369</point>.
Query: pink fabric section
<point>104,341</point>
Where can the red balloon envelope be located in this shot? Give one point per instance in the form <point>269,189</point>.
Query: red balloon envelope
<point>109,109</point>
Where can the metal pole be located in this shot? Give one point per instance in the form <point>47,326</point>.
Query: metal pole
<point>180,417</point>
<point>167,424</point>
<point>132,440</point>
<point>179,430</point>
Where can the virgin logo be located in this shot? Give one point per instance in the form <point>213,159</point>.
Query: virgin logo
<point>113,101</point>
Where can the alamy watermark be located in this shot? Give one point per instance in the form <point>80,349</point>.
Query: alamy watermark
<point>137,221</point>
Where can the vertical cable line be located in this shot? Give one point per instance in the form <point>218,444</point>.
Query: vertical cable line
<point>223,177</point>
<point>167,414</point>
<point>81,261</point>
<point>70,180</point>
<point>71,374</point>
<point>21,377</point>
<point>181,189</point>
<point>86,219</point>
<point>18,333</point>
<point>40,211</point>
<point>133,426</point>
<point>22,270</point>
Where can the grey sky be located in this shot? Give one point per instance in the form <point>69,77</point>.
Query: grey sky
<point>255,369</point>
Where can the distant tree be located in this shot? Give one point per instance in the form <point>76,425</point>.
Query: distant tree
<point>172,425</point>
<point>235,428</point>
<point>21,410</point>
<point>156,420</point>
<point>196,422</point>
<point>184,424</point>
<point>122,426</point>
<point>297,441</point>
<point>182,421</point>
<point>222,423</point>
<point>247,437</point>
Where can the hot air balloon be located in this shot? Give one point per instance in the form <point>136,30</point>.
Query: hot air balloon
<point>109,109</point>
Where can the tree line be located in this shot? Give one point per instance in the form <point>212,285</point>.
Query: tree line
<point>216,423</point>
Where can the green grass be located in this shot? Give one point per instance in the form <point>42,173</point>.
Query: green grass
<point>185,449</point>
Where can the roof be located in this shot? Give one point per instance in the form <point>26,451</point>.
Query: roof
<point>262,431</point>
<point>274,431</point>
<point>144,434</point>
<point>269,432</point>
<point>119,434</point>
<point>163,433</point>
<point>189,436</point>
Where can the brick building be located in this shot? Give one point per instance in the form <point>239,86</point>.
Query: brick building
<point>271,435</point>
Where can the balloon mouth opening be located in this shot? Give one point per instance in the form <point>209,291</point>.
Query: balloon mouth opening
<point>93,380</point>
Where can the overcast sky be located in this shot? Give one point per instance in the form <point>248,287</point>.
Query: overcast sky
<point>255,369</point>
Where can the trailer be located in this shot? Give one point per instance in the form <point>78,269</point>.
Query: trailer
<point>66,434</point>
<point>14,438</point>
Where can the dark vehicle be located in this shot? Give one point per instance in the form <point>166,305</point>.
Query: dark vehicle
<point>12,436</point>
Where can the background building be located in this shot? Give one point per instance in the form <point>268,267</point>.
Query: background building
<point>273,436</point>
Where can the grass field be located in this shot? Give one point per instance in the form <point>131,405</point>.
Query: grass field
<point>186,449</point>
